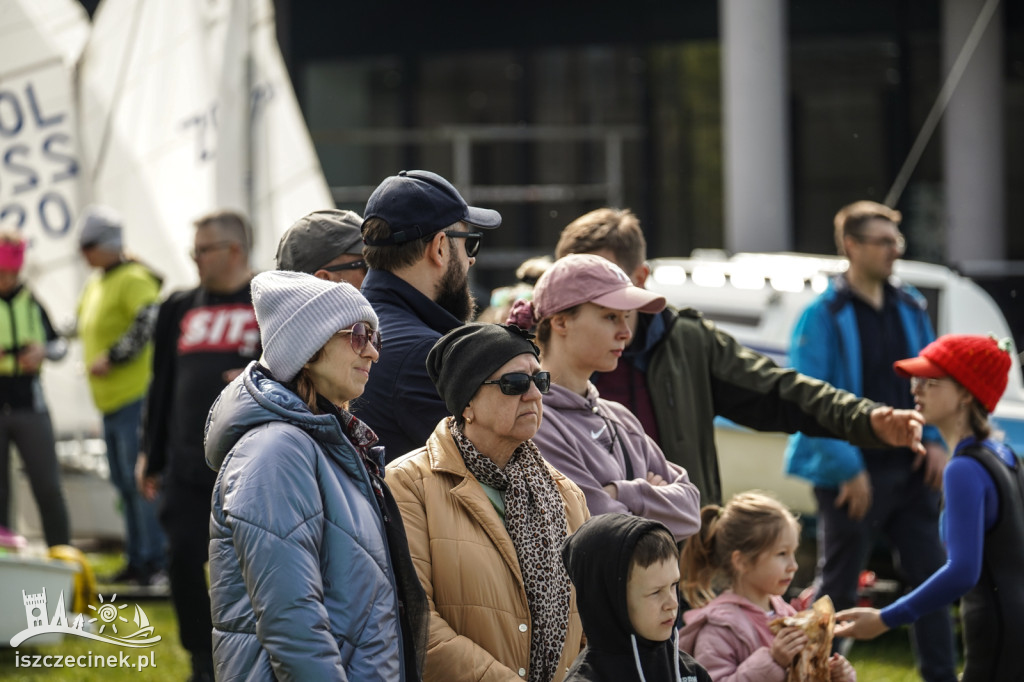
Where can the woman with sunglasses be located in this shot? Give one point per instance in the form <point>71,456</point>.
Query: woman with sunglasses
<point>581,305</point>
<point>310,572</point>
<point>957,381</point>
<point>486,516</point>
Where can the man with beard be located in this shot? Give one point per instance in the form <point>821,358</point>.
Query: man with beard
<point>421,239</point>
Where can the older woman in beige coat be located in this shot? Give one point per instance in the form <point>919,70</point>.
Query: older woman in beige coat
<point>486,515</point>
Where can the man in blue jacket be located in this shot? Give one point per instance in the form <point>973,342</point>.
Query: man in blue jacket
<point>850,336</point>
<point>420,240</point>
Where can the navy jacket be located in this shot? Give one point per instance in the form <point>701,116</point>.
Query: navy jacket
<point>400,402</point>
<point>301,581</point>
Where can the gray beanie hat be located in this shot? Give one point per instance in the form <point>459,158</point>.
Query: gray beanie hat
<point>99,227</point>
<point>299,313</point>
<point>461,360</point>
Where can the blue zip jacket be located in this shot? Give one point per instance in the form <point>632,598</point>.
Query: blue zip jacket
<point>400,402</point>
<point>301,582</point>
<point>826,346</point>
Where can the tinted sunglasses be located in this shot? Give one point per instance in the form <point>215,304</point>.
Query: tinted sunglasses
<point>361,334</point>
<point>472,240</point>
<point>354,265</point>
<point>518,383</point>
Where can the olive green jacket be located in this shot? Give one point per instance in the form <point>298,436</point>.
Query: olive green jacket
<point>698,371</point>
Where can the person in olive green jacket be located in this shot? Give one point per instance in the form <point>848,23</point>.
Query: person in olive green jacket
<point>116,316</point>
<point>680,371</point>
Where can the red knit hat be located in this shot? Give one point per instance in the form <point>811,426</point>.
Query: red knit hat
<point>979,363</point>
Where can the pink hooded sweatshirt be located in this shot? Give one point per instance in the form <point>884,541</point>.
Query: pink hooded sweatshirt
<point>731,639</point>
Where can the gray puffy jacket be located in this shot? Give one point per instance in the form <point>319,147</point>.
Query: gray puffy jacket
<point>302,586</point>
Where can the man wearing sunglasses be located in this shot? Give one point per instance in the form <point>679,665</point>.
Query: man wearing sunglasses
<point>204,337</point>
<point>420,240</point>
<point>326,244</point>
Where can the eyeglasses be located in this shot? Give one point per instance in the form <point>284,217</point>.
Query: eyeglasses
<point>354,265</point>
<point>518,383</point>
<point>472,241</point>
<point>361,335</point>
<point>208,248</point>
<point>899,243</point>
<point>922,382</point>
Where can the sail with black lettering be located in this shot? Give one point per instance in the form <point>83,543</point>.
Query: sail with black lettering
<point>186,107</point>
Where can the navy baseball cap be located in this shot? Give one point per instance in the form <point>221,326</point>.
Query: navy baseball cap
<point>418,203</point>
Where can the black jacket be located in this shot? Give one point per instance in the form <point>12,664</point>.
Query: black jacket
<point>597,558</point>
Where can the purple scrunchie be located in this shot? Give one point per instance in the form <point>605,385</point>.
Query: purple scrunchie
<point>521,314</point>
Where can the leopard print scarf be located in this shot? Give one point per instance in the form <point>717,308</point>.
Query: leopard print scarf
<point>535,519</point>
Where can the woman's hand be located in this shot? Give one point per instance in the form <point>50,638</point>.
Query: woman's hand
<point>860,623</point>
<point>841,670</point>
<point>612,491</point>
<point>655,479</point>
<point>787,644</point>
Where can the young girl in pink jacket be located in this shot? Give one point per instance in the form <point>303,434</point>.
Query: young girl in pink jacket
<point>750,547</point>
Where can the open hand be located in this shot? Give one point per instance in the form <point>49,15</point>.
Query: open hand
<point>860,623</point>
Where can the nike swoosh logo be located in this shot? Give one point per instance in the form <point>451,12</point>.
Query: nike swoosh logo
<point>596,434</point>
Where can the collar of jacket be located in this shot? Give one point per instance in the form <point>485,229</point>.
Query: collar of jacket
<point>381,287</point>
<point>445,458</point>
<point>840,292</point>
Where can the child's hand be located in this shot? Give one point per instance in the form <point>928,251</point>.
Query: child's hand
<point>841,670</point>
<point>860,623</point>
<point>787,644</point>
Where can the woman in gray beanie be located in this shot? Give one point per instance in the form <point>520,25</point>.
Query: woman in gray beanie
<point>486,516</point>
<point>310,572</point>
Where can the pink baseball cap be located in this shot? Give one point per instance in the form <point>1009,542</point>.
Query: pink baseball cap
<point>586,278</point>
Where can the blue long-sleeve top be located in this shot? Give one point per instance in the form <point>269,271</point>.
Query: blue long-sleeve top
<point>972,506</point>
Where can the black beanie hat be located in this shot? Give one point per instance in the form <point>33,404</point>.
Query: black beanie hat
<point>462,359</point>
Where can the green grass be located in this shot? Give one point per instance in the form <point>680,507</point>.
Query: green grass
<point>172,661</point>
<point>886,659</point>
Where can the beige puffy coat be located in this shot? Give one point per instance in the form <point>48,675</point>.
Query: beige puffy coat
<point>479,617</point>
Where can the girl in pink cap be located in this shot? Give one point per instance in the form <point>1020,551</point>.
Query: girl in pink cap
<point>580,306</point>
<point>957,381</point>
<point>26,339</point>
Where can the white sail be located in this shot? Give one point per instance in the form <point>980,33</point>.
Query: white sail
<point>186,108</point>
<point>41,172</point>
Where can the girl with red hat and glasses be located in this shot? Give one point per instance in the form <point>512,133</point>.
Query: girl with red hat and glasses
<point>957,381</point>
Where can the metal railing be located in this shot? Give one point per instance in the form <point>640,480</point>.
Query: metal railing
<point>462,139</point>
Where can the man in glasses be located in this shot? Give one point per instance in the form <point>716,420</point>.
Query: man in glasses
<point>850,336</point>
<point>204,337</point>
<point>420,240</point>
<point>327,244</point>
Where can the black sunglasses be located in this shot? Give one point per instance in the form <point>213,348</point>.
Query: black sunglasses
<point>361,334</point>
<point>354,265</point>
<point>518,383</point>
<point>472,241</point>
